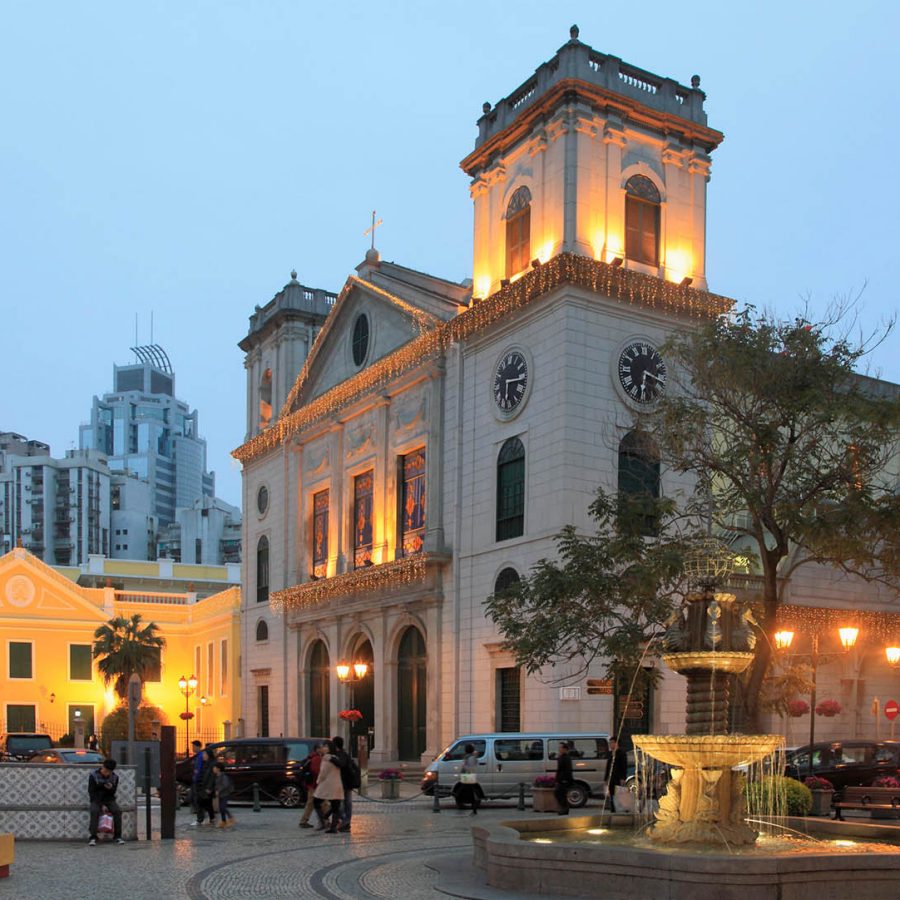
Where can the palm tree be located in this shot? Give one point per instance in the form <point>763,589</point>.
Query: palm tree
<point>126,647</point>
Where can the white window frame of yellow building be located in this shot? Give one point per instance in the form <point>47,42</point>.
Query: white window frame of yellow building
<point>69,646</point>
<point>223,667</point>
<point>9,674</point>
<point>198,658</point>
<point>37,713</point>
<point>211,669</point>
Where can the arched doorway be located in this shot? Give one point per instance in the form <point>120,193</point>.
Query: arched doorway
<point>363,697</point>
<point>319,683</point>
<point>411,681</point>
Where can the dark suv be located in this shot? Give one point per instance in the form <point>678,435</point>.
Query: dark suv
<point>272,763</point>
<point>22,745</point>
<point>846,763</point>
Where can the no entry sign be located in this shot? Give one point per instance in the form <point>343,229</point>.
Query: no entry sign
<point>891,709</point>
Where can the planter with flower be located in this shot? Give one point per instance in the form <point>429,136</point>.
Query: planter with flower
<point>886,790</point>
<point>350,715</point>
<point>797,708</point>
<point>822,792</point>
<point>543,799</point>
<point>390,783</point>
<point>829,708</point>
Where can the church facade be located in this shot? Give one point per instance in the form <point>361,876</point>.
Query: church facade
<point>431,438</point>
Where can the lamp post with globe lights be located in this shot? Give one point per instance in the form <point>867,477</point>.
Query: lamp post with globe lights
<point>187,686</point>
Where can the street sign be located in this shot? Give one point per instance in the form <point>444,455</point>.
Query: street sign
<point>891,709</point>
<point>599,686</point>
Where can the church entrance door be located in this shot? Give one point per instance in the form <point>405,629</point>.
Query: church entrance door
<point>363,699</point>
<point>411,674</point>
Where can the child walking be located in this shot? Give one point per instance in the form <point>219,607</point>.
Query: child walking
<point>223,792</point>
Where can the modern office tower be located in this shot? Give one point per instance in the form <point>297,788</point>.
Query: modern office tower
<point>144,430</point>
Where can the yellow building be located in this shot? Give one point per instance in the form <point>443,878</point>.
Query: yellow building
<point>48,678</point>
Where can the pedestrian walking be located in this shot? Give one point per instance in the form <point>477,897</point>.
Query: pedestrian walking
<point>330,788</point>
<point>206,788</point>
<point>616,770</point>
<point>223,792</point>
<point>196,773</point>
<point>467,788</point>
<point>310,768</point>
<point>93,743</point>
<point>563,778</point>
<point>350,778</point>
<point>102,786</point>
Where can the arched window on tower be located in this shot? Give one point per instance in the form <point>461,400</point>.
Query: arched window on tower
<point>511,490</point>
<point>265,399</point>
<point>506,579</point>
<point>639,477</point>
<point>518,232</point>
<point>642,202</point>
<point>262,630</point>
<point>262,570</point>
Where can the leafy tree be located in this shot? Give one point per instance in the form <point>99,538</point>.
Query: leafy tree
<point>793,452</point>
<point>125,647</point>
<point>115,725</point>
<point>605,597</point>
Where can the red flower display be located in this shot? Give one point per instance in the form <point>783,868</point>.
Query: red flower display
<point>350,715</point>
<point>797,708</point>
<point>828,708</point>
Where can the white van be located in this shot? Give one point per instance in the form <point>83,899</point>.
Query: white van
<point>507,760</point>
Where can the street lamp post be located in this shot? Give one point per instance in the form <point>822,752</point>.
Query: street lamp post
<point>187,686</point>
<point>350,674</point>
<point>783,641</point>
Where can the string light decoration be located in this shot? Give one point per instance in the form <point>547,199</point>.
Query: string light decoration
<point>399,573</point>
<point>873,626</point>
<point>615,282</point>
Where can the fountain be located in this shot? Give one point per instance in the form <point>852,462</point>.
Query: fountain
<point>701,844</point>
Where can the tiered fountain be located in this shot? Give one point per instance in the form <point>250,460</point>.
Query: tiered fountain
<point>709,639</point>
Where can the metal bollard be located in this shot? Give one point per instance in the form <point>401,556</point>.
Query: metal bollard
<point>521,805</point>
<point>147,788</point>
<point>435,797</point>
<point>256,806</point>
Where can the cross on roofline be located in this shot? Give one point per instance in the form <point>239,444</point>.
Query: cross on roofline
<point>372,227</point>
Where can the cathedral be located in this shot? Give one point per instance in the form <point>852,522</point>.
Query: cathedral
<point>414,444</point>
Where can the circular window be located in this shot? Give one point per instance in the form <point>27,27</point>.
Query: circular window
<point>262,499</point>
<point>360,339</point>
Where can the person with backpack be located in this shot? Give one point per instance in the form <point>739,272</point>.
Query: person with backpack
<point>222,793</point>
<point>330,787</point>
<point>350,779</point>
<point>310,772</point>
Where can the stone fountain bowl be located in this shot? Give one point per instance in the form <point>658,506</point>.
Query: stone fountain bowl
<point>708,751</point>
<point>729,661</point>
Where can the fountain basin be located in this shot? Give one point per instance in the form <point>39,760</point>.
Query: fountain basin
<point>731,662</point>
<point>616,872</point>
<point>718,751</point>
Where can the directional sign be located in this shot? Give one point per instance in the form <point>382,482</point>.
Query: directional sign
<point>891,709</point>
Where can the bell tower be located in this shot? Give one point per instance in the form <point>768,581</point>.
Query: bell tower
<point>597,157</point>
<point>278,341</point>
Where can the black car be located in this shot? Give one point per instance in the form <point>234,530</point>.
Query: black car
<point>20,746</point>
<point>846,763</point>
<point>272,763</point>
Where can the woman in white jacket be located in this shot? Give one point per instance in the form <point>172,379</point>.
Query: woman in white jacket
<point>330,787</point>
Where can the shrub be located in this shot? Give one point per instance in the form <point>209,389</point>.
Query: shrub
<point>764,794</point>
<point>115,725</point>
<point>814,783</point>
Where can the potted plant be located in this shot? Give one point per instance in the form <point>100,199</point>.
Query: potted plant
<point>350,715</point>
<point>390,783</point>
<point>822,791</point>
<point>543,798</point>
<point>797,708</point>
<point>886,781</point>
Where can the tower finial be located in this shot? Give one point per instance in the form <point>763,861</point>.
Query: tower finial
<point>293,274</point>
<point>573,32</point>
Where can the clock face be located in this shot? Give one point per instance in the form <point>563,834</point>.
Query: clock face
<point>510,380</point>
<point>642,372</point>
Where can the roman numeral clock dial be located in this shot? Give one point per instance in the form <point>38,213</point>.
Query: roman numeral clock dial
<point>510,381</point>
<point>642,372</point>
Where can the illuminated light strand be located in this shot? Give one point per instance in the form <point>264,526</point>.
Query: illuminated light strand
<point>599,277</point>
<point>424,321</point>
<point>872,624</point>
<point>398,573</point>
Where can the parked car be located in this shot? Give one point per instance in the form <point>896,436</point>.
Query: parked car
<point>846,763</point>
<point>20,746</point>
<point>272,763</point>
<point>508,760</point>
<point>68,756</point>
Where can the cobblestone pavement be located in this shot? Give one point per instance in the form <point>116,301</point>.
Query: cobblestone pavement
<point>393,852</point>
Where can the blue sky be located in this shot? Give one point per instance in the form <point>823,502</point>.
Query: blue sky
<point>183,157</point>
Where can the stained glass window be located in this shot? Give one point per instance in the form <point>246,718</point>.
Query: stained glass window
<point>320,534</point>
<point>511,490</point>
<point>518,232</point>
<point>642,220</point>
<point>412,503</point>
<point>362,519</point>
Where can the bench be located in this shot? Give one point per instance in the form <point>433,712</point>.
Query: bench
<point>867,798</point>
<point>7,853</point>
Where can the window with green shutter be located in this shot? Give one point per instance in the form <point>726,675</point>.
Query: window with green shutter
<point>80,662</point>
<point>20,659</point>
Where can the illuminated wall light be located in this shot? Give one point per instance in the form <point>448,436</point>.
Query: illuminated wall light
<point>893,655</point>
<point>545,254</point>
<point>679,266</point>
<point>482,286</point>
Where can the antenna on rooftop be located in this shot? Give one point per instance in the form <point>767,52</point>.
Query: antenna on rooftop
<point>151,327</point>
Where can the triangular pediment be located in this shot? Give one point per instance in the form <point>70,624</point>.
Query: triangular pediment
<point>392,322</point>
<point>29,588</point>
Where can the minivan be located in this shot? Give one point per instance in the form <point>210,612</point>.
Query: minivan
<point>271,763</point>
<point>506,760</point>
